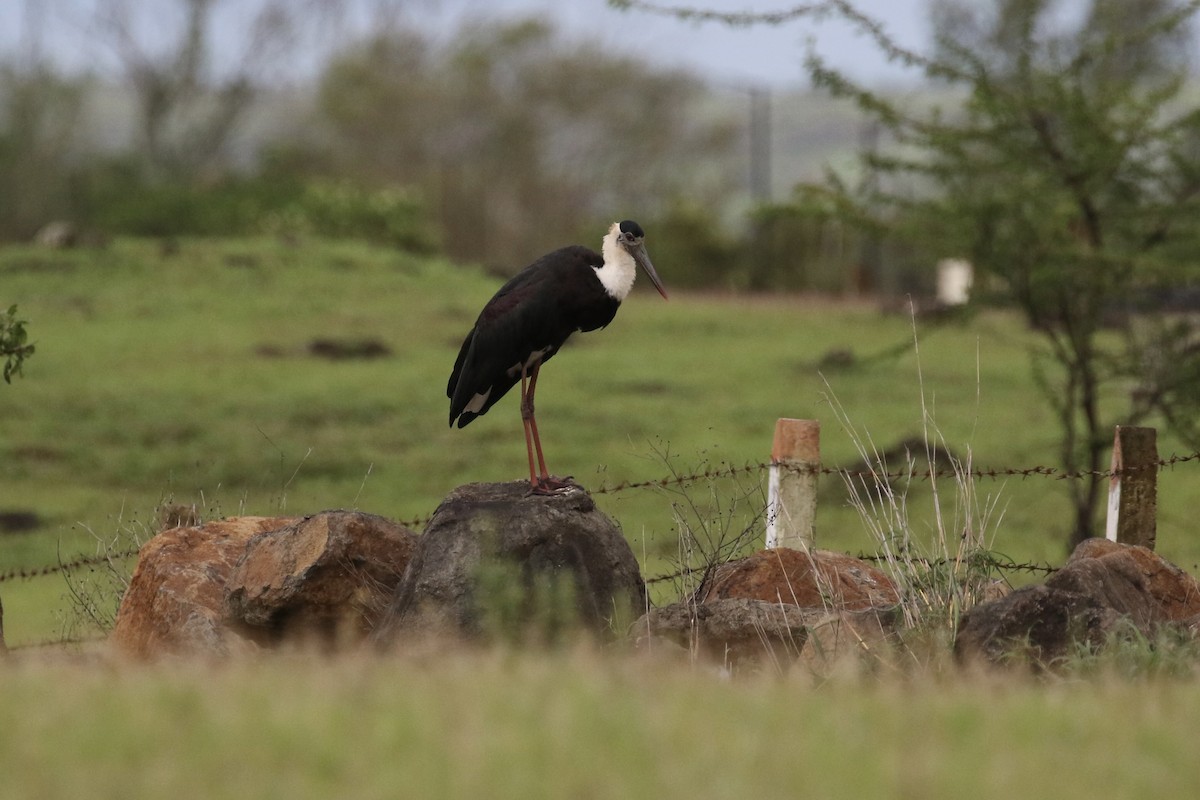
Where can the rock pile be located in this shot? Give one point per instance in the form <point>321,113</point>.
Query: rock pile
<point>497,562</point>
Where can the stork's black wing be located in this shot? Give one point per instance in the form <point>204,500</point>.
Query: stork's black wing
<point>526,322</point>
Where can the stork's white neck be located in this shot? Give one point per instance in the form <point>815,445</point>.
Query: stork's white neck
<point>619,268</point>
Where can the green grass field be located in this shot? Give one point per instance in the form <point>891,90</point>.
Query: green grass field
<point>185,377</point>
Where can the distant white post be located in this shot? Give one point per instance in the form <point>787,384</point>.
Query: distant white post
<point>1133,488</point>
<point>792,493</point>
<point>954,279</point>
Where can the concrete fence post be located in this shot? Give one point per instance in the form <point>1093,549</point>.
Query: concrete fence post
<point>1133,488</point>
<point>792,492</point>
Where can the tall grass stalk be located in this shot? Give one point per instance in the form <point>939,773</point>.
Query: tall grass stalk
<point>948,568</point>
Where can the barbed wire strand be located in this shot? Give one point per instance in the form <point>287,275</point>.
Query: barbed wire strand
<point>22,573</point>
<point>990,472</point>
<point>1002,564</point>
<point>42,643</point>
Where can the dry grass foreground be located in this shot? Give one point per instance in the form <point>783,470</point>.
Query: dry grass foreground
<point>577,722</point>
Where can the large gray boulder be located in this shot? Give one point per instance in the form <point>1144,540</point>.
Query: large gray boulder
<point>496,560</point>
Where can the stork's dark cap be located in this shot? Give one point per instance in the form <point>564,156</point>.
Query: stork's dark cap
<point>629,226</point>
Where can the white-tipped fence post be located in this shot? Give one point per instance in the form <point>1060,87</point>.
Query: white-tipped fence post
<point>792,493</point>
<point>1133,488</point>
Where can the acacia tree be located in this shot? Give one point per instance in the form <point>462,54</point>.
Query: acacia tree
<point>40,112</point>
<point>1065,168</point>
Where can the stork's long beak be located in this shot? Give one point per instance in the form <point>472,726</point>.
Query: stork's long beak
<point>643,258</point>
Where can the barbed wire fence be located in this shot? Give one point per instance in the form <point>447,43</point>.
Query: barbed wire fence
<point>675,481</point>
<point>25,573</point>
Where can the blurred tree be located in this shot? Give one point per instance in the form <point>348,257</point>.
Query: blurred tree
<point>697,252</point>
<point>40,112</point>
<point>189,102</point>
<point>520,139</point>
<point>1066,168</point>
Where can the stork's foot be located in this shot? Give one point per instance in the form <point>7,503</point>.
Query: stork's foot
<point>550,485</point>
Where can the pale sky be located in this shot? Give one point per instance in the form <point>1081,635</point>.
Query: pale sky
<point>758,54</point>
<point>731,56</point>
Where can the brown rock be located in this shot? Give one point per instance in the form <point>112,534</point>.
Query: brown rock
<point>1035,624</point>
<point>1175,593</point>
<point>841,634</point>
<point>327,576</point>
<point>1103,586</point>
<point>175,603</point>
<point>1114,583</point>
<point>848,606</point>
<point>813,579</point>
<point>231,585</point>
<point>1094,548</point>
<point>739,632</point>
<point>730,632</point>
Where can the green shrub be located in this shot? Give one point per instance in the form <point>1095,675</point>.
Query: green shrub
<point>341,210</point>
<point>14,346</point>
<point>117,198</point>
<point>694,250</point>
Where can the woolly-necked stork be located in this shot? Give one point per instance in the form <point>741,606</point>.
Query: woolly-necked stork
<point>527,321</point>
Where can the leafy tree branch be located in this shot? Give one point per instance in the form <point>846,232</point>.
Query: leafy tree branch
<point>14,346</point>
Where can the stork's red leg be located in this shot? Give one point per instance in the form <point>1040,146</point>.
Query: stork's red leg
<point>526,420</point>
<point>537,440</point>
<point>545,483</point>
